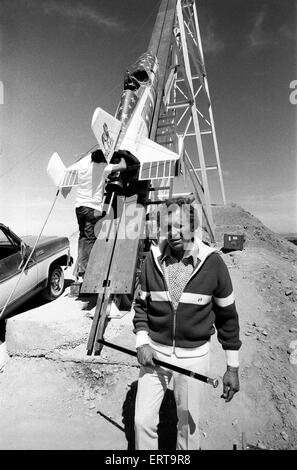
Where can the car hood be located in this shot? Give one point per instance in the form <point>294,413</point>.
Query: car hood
<point>47,242</point>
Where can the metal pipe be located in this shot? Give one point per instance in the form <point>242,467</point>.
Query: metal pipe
<point>180,370</point>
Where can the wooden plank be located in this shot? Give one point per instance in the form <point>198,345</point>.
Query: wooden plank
<point>102,324</point>
<point>93,331</point>
<point>99,261</point>
<point>123,267</point>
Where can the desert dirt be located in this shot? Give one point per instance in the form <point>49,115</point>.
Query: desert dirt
<point>63,399</point>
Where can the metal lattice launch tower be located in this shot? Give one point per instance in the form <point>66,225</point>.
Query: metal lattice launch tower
<point>183,119</point>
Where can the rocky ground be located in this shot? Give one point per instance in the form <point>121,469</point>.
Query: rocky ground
<point>54,396</point>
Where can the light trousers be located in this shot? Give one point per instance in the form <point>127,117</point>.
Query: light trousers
<point>152,385</point>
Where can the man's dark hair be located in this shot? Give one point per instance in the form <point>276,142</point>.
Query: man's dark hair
<point>98,156</point>
<point>186,202</point>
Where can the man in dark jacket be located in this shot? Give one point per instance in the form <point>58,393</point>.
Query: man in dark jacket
<point>186,290</point>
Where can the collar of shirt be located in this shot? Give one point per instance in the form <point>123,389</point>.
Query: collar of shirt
<point>192,250</point>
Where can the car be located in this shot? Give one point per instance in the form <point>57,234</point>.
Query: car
<point>43,274</point>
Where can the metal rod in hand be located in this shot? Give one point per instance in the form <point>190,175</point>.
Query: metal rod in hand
<point>181,370</point>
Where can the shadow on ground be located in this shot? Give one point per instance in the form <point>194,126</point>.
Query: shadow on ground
<point>88,301</point>
<point>37,301</point>
<point>31,304</point>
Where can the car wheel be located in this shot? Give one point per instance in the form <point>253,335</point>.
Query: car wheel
<point>55,284</point>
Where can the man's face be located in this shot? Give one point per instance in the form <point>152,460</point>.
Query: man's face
<point>179,234</point>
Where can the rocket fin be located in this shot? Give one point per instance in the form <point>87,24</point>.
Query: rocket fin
<point>56,169</point>
<point>106,129</point>
<point>155,160</point>
<point>64,178</point>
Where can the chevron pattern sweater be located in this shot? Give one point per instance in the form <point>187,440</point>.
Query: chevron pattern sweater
<point>207,301</point>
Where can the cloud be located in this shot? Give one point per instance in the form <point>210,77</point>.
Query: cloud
<point>75,12</point>
<point>286,196</point>
<point>276,210</point>
<point>272,201</point>
<point>257,36</point>
<point>211,43</point>
<point>285,32</point>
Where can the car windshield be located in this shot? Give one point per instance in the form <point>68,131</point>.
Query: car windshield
<point>4,240</point>
<point>7,244</point>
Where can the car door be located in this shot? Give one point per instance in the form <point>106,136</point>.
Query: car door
<point>11,268</point>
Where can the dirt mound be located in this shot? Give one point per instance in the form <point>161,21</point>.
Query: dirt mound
<point>234,219</point>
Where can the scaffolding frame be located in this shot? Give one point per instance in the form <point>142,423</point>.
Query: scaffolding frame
<point>186,94</point>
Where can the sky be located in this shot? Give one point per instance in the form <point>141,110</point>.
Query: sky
<point>59,60</point>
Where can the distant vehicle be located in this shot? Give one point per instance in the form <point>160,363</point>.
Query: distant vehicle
<point>44,273</point>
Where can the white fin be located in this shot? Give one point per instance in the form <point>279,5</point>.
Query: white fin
<point>63,178</point>
<point>106,129</point>
<point>156,161</point>
<point>56,169</point>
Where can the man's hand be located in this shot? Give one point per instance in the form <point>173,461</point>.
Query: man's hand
<point>108,170</point>
<point>230,383</point>
<point>113,167</point>
<point>145,355</point>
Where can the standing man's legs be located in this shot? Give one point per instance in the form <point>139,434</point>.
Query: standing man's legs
<point>80,215</point>
<point>188,392</point>
<point>86,221</point>
<point>90,223</point>
<point>152,385</point>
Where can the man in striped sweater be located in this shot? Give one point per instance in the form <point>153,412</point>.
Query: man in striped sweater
<point>186,292</point>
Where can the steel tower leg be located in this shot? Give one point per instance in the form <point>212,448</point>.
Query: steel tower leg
<point>194,110</point>
<point>210,106</point>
